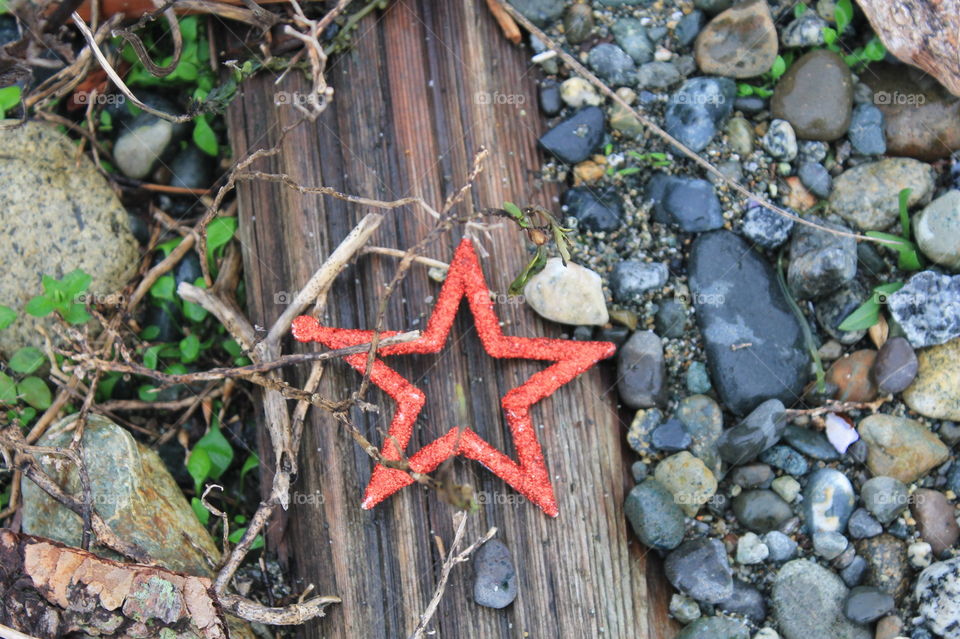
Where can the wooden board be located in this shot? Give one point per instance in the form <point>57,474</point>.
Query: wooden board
<point>406,120</point>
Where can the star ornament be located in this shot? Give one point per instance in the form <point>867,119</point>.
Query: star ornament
<point>528,475</point>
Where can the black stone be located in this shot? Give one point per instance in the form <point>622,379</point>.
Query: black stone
<point>595,210</point>
<point>811,443</point>
<point>866,603</point>
<point>760,430</point>
<point>698,108</point>
<point>550,102</point>
<point>745,601</point>
<point>690,204</point>
<point>761,510</point>
<point>700,568</point>
<point>671,436</point>
<point>574,139</point>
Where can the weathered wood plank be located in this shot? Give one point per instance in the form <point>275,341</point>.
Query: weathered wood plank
<point>406,121</point>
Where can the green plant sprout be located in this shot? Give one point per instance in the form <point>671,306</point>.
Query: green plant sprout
<point>765,89</point>
<point>655,159</point>
<point>540,226</point>
<point>908,258</point>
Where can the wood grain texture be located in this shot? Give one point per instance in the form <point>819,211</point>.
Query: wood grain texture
<point>406,120</point>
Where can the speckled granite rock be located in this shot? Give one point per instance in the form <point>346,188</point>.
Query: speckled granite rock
<point>935,392</point>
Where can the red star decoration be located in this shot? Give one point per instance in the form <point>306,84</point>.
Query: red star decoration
<point>464,279</point>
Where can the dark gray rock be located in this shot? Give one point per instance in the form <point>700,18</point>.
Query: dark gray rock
<point>574,139</point>
<point>896,366</point>
<point>866,130</point>
<point>816,178</point>
<point>865,604</point>
<point>853,574</point>
<point>698,109</point>
<point>700,568</point>
<point>690,204</point>
<point>595,209</point>
<point>657,75</point>
<point>820,261</point>
<point>611,63</point>
<point>191,168</point>
<point>758,431</point>
<point>745,601</point>
<point>765,227</point>
<point>884,497</point>
<point>688,27</point>
<point>655,516</point>
<point>495,579</point>
<point>761,510</point>
<point>630,279</point>
<point>927,308</point>
<point>729,283</point>
<point>863,525</point>
<point>752,476</point>
<point>641,376</point>
<point>632,37</point>
<point>550,102</point>
<point>812,443</point>
<point>671,436</point>
<point>781,547</point>
<point>540,12</point>
<point>832,309</point>
<point>670,319</point>
<point>827,501</point>
<point>639,470</point>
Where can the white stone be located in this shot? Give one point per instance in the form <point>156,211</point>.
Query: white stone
<point>787,487</point>
<point>751,549</point>
<point>938,593</point>
<point>568,294</point>
<point>577,92</point>
<point>920,554</point>
<point>937,229</point>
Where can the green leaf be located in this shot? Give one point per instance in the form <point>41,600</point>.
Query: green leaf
<point>875,50</point>
<point>799,9</point>
<point>7,316</point>
<point>232,347</point>
<point>39,306</point>
<point>106,121</point>
<point>237,535</point>
<point>843,14</point>
<point>219,232</point>
<point>9,98</point>
<point>204,137</point>
<point>27,414</point>
<point>35,392</point>
<point>163,288</point>
<point>249,464</point>
<point>763,92</point>
<point>169,245</point>
<point>190,348</point>
<point>147,393</point>
<point>199,465</point>
<point>74,283</point>
<point>202,513</point>
<point>865,316</point>
<point>514,211</point>
<point>829,35</point>
<point>778,68</point>
<point>8,389</point>
<point>630,170</point>
<point>75,314</point>
<point>150,356</point>
<point>27,360</point>
<point>744,89</point>
<point>150,333</point>
<point>907,257</point>
<point>188,28</point>
<point>194,312</point>
<point>218,449</point>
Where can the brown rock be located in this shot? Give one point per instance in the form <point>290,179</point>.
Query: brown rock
<point>896,366</point>
<point>887,567</point>
<point>921,119</point>
<point>889,627</point>
<point>815,96</point>
<point>798,197</point>
<point>935,519</point>
<point>900,448</point>
<point>740,42</point>
<point>852,376</point>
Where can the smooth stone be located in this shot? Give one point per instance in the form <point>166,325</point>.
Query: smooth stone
<point>752,476</point>
<point>191,168</point>
<point>885,497</point>
<point>935,392</point>
<point>729,282</point>
<point>801,587</point>
<point>765,227</point>
<point>688,479</point>
<point>689,27</point>
<point>834,308</point>
<point>577,92</point>
<point>811,443</point>
<point>573,140</point>
<point>852,377</point>
<point>740,135</point>
<point>786,487</point>
<point>927,308</point>
<point>866,604</point>
<point>746,601</point>
<point>780,141</point>
<point>699,568</point>
<point>828,500</point>
<point>540,12</point>
<point>578,23</point>
<point>671,437</point>
<point>937,230</point>
<point>568,294</point>
<point>611,63</point>
<point>781,547</point>
<point>866,130</point>
<point>549,94</point>
<point>683,608</point>
<point>132,490</point>
<point>632,37</point>
<point>670,319</point>
<point>59,214</point>
<point>715,628</point>
<point>816,178</point>
<point>890,627</point>
<point>786,459</point>
<point>690,204</point>
<point>657,75</point>
<point>867,195</point>
<point>595,210</point>
<point>820,261</point>
<point>922,119</point>
<point>642,425</point>
<point>703,419</point>
<point>805,31</point>
<point>750,104</point>
<point>936,519</point>
<point>887,567</point>
<point>853,574</point>
<point>495,578</point>
<point>938,595</point>
<point>761,510</point>
<point>862,525</point>
<point>712,7</point>
<point>641,374</point>
<point>815,96</point>
<point>654,515</point>
<point>829,545</point>
<point>896,366</point>
<point>740,42</point>
<point>623,120</point>
<point>639,470</point>
<point>630,279</point>
<point>901,448</point>
<point>758,431</point>
<point>142,143</point>
<point>698,109</point>
<point>697,378</point>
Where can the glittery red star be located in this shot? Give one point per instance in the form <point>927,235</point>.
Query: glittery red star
<point>464,279</point>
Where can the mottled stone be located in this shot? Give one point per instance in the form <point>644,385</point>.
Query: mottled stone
<point>852,377</point>
<point>654,515</point>
<point>896,366</point>
<point>827,501</point>
<point>740,42</point>
<point>495,578</point>
<point>611,63</point>
<point>632,37</point>
<point>568,294</point>
<point>885,497</point>
<point>578,22</point>
<point>700,568</point>
<point>834,308</point>
<point>760,430</point>
<point>815,95</point>
<point>688,479</point>
<point>780,141</point>
<point>887,567</point>
<point>867,195</point>
<point>703,419</point>
<point>715,628</point>
<point>938,594</point>
<point>630,279</point>
<point>765,227</point>
<point>740,136</point>
<point>805,31</point>
<point>927,308</point>
<point>786,459</point>
<point>642,425</point>
<point>935,393</point>
<point>900,448</point>
<point>936,519</point>
<point>697,110</point>
<point>820,261</point>
<point>641,373</point>
<point>802,586</point>
<point>866,130</point>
